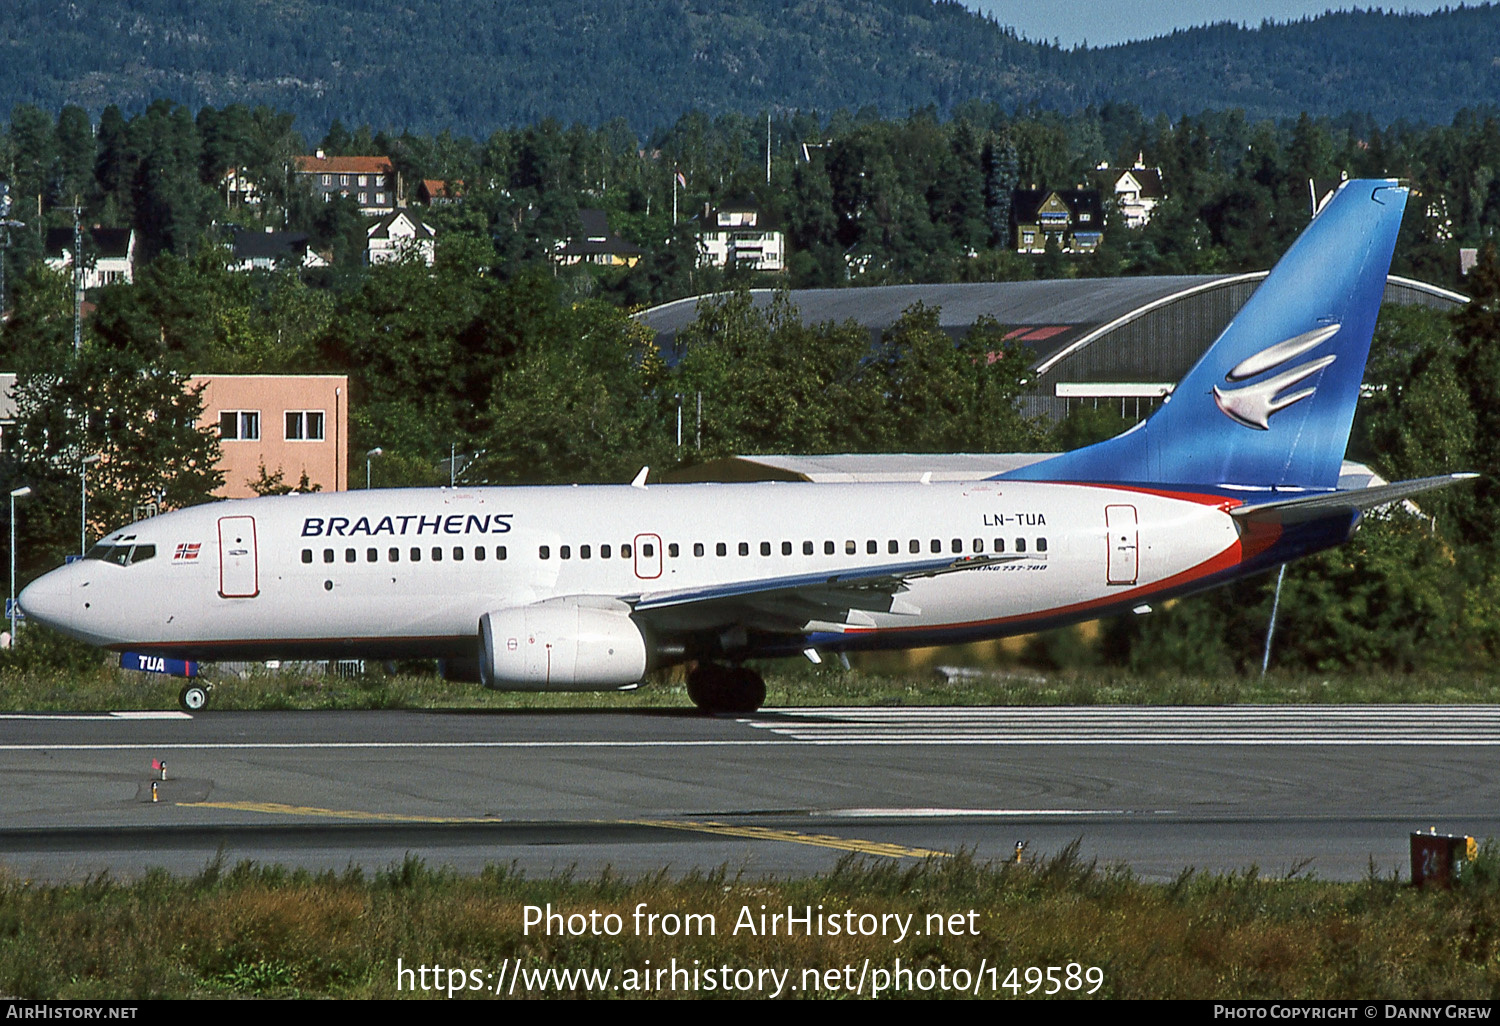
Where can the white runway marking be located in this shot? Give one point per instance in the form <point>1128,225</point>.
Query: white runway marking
<point>148,714</point>
<point>1407,726</point>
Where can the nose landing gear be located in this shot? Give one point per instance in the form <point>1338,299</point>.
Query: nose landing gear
<point>727,689</point>
<point>193,697</point>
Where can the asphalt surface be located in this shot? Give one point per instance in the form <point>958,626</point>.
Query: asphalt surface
<point>1325,791</point>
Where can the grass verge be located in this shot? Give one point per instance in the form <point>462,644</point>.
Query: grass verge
<point>265,931</point>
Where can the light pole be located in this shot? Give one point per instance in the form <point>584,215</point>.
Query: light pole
<point>15,493</point>
<point>83,502</point>
<point>369,456</point>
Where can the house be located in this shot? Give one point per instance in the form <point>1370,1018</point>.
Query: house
<point>594,244</point>
<point>270,250</point>
<point>108,254</point>
<point>7,410</point>
<point>239,188</point>
<point>396,235</point>
<point>1137,191</point>
<point>1073,218</point>
<point>740,234</point>
<point>435,192</point>
<point>372,182</point>
<point>288,425</point>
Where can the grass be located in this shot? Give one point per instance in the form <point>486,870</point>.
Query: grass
<point>94,688</point>
<point>265,931</point>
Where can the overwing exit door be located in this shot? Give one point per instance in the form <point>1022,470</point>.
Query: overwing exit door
<point>1123,531</point>
<point>239,568</point>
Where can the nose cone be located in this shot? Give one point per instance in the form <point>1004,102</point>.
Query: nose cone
<point>49,599</point>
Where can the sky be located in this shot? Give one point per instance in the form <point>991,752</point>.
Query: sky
<point>1119,21</point>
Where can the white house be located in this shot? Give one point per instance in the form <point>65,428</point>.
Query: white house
<point>1137,191</point>
<point>108,254</point>
<point>740,235</point>
<point>393,236</point>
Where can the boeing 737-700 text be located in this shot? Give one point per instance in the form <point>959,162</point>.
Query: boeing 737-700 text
<point>574,588</point>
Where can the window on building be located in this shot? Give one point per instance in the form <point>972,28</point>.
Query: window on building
<point>239,425</point>
<point>304,425</point>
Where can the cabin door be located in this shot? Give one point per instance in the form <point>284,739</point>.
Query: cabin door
<point>1123,531</point>
<point>239,567</point>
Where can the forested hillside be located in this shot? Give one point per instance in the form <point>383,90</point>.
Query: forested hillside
<point>472,65</point>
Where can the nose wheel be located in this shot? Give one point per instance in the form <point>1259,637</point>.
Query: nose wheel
<point>193,697</point>
<point>725,689</point>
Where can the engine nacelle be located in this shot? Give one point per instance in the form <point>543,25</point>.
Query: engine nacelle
<point>560,645</point>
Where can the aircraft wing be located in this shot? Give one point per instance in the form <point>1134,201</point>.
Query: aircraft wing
<point>1312,507</point>
<point>832,601</point>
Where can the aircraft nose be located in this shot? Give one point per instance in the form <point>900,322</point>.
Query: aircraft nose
<point>48,599</point>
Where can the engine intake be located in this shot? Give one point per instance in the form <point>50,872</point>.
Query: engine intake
<point>560,646</point>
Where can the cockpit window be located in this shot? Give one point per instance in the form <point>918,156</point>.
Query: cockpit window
<point>121,555</point>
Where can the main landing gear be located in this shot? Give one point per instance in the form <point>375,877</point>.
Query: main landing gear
<point>193,697</point>
<point>730,689</point>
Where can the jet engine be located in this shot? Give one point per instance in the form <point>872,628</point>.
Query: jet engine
<point>561,645</point>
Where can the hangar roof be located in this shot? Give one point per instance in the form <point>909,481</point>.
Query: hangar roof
<point>1056,312</point>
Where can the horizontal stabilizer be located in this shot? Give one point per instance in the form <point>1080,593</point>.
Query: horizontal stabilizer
<point>1313,507</point>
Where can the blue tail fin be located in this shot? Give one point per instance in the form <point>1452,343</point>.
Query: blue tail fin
<point>1271,402</point>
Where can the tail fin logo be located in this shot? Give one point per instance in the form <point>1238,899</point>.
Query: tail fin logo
<point>1253,406</point>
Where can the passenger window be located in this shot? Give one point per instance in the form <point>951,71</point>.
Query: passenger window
<point>893,547</point>
<point>872,547</point>
<point>999,544</point>
<point>721,549</point>
<point>672,550</point>
<point>479,553</point>
<point>786,548</point>
<point>458,552</point>
<point>850,548</point>
<point>648,550</point>
<point>372,555</point>
<point>603,552</point>
<point>765,548</point>
<point>937,546</point>
<point>1041,544</point>
<point>500,552</point>
<point>978,544</point>
<point>394,555</point>
<point>565,552</point>
<point>416,554</point>
<point>585,551</point>
<point>915,547</point>
<point>957,545</point>
<point>1020,544</point>
<point>807,548</point>
<point>744,548</point>
<point>437,553</point>
<point>350,555</point>
<point>828,548</point>
<point>307,555</point>
<point>697,548</point>
<point>624,551</point>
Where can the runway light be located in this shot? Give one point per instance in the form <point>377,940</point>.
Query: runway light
<point>153,791</point>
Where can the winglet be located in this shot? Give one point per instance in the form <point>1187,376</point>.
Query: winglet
<point>640,479</point>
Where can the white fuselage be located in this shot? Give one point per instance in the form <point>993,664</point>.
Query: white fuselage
<point>388,573</point>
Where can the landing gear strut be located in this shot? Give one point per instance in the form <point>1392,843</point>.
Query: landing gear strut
<point>730,689</point>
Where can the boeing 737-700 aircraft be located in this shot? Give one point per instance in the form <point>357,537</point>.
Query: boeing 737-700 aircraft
<point>574,588</point>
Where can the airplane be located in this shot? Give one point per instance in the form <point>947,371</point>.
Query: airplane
<point>591,587</point>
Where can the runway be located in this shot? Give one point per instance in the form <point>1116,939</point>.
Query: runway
<point>1329,791</point>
